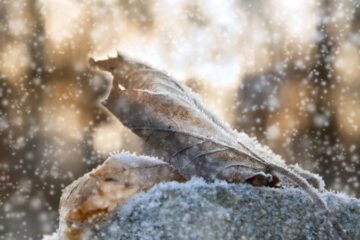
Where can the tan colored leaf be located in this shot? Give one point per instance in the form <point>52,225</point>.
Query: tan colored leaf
<point>91,199</point>
<point>172,120</point>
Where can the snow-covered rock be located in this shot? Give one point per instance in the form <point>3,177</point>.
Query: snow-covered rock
<point>198,210</point>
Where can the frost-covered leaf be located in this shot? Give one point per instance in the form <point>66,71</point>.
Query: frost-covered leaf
<point>89,200</point>
<point>173,121</point>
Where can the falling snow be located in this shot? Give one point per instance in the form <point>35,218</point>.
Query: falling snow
<point>285,72</point>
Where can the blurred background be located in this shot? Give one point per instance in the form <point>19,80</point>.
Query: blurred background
<point>285,72</point>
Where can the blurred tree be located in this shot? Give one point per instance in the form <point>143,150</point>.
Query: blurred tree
<point>325,147</point>
<point>294,109</point>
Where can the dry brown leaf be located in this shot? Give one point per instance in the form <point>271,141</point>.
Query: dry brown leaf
<point>91,199</point>
<point>172,120</point>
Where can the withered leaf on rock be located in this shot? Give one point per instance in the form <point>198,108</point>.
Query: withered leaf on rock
<point>171,119</point>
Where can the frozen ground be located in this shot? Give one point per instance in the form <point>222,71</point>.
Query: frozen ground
<point>197,210</point>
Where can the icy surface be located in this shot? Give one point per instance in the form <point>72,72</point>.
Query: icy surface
<point>197,210</point>
<point>133,161</point>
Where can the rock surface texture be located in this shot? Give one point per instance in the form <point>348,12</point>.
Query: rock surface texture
<point>198,210</point>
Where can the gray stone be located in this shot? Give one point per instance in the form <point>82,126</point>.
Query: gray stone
<point>198,210</point>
